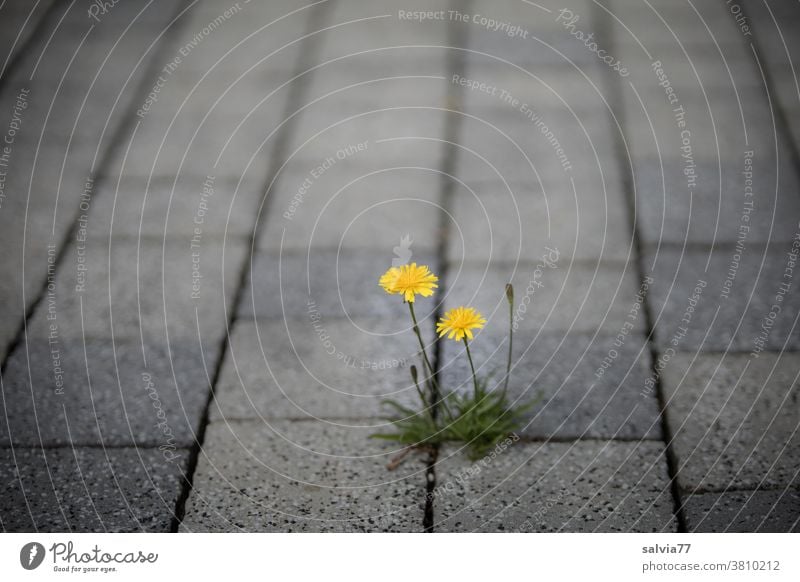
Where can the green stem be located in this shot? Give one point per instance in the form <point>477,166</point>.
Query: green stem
<point>472,367</point>
<point>428,407</point>
<point>510,344</point>
<point>432,379</point>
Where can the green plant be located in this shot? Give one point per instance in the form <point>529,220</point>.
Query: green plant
<point>480,418</point>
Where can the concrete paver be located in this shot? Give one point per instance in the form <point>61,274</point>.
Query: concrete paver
<point>561,295</point>
<point>323,369</point>
<point>131,119</point>
<point>336,284</point>
<point>89,489</point>
<point>286,477</point>
<point>548,487</point>
<point>720,299</point>
<point>744,511</point>
<point>734,419</point>
<point>102,393</point>
<point>587,387</point>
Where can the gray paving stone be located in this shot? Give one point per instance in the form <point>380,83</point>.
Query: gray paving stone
<point>518,145</point>
<point>300,476</point>
<point>539,17</point>
<point>290,285</point>
<point>330,124</point>
<point>777,48</point>
<point>43,214</point>
<point>787,95</point>
<point>250,477</point>
<point>744,511</point>
<point>668,48</point>
<point>734,419</point>
<point>743,322</point>
<point>350,162</point>
<point>544,47</point>
<point>663,23</point>
<point>206,9</point>
<point>108,61</point>
<point>219,97</point>
<point>382,76</point>
<point>115,21</point>
<point>47,171</point>
<point>578,396</point>
<point>229,146</point>
<point>546,87</point>
<point>319,369</point>
<point>166,209</point>
<point>145,291</point>
<point>718,125</point>
<point>355,206</point>
<point>88,490</point>
<point>542,40</point>
<point>47,180</point>
<point>59,394</point>
<point>757,13</point>
<point>29,213</point>
<point>715,210</point>
<point>356,27</point>
<point>689,75</point>
<point>492,222</point>
<point>17,25</point>
<point>71,41</point>
<point>585,486</point>
<point>575,296</point>
<point>248,42</point>
<point>221,90</point>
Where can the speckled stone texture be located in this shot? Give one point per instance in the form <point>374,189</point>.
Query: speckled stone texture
<point>149,289</point>
<point>110,394</point>
<point>584,486</point>
<point>291,285</point>
<point>518,220</point>
<point>562,295</point>
<point>578,396</point>
<point>744,511</point>
<point>303,477</point>
<point>669,214</point>
<point>754,279</point>
<point>276,369</point>
<point>735,420</point>
<point>342,212</point>
<point>164,208</point>
<point>329,132</point>
<point>67,124</point>
<point>89,489</point>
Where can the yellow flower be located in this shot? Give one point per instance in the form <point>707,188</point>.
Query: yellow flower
<point>460,322</point>
<point>408,280</point>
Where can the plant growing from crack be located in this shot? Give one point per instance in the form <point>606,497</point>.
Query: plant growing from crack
<point>479,418</point>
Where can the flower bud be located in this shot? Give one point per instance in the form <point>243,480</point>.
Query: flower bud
<point>510,293</point>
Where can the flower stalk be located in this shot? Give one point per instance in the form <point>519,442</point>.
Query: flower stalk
<point>472,368</point>
<point>510,298</point>
<point>481,419</point>
<point>432,382</point>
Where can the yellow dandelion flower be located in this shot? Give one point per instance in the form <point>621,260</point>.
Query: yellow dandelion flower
<point>409,280</point>
<point>460,322</point>
<point>388,279</point>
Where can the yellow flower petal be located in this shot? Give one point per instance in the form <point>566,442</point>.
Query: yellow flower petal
<point>408,281</point>
<point>459,322</point>
<point>388,279</point>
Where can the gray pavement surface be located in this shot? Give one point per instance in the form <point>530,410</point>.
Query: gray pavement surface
<point>197,199</point>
